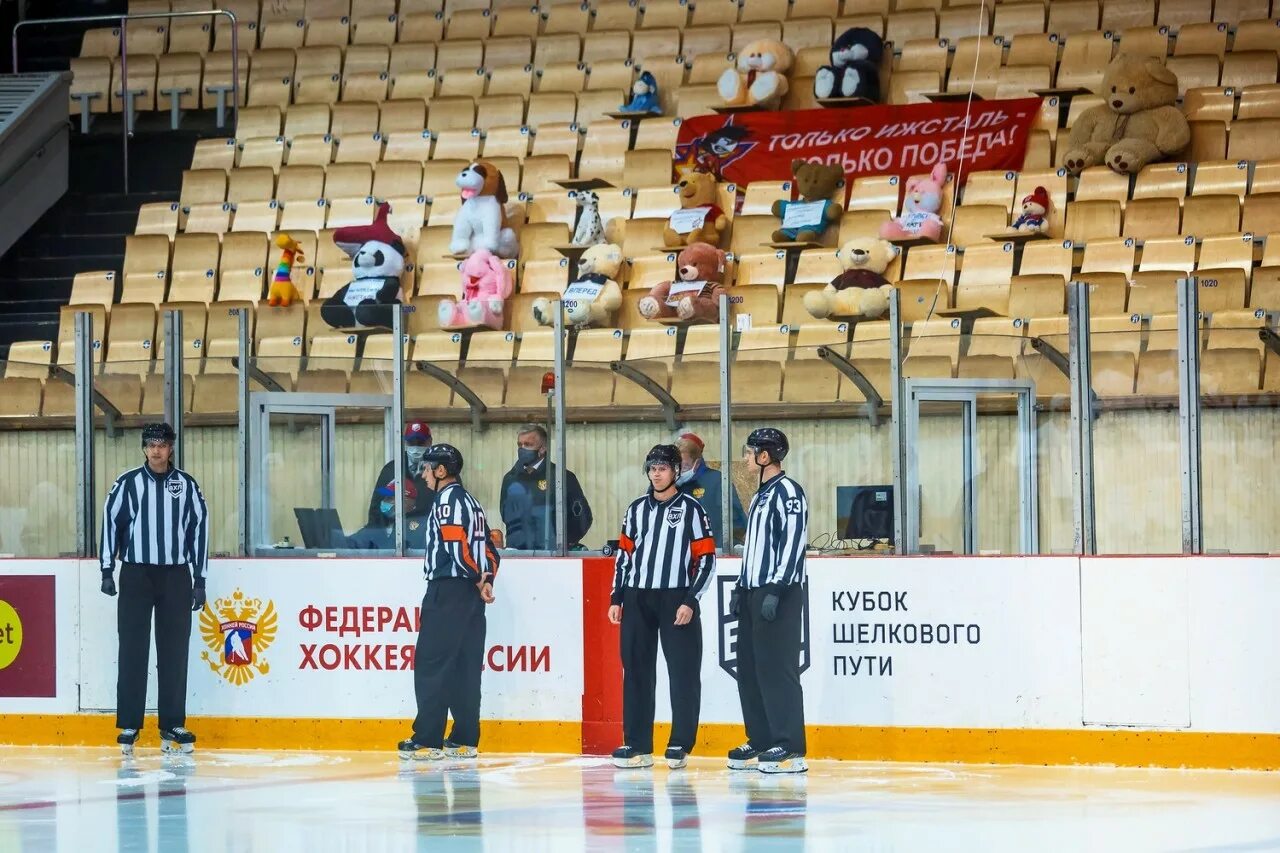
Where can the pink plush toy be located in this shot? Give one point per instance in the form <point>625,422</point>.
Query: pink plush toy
<point>486,285</point>
<point>919,219</point>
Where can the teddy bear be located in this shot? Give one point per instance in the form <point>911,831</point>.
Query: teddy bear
<point>861,290</point>
<point>920,206</point>
<point>283,291</point>
<point>695,294</point>
<point>644,96</point>
<point>807,219</point>
<point>854,71</point>
<point>1034,218</point>
<point>377,260</point>
<point>486,285</point>
<point>759,75</point>
<point>699,219</point>
<point>481,222</point>
<point>590,230</point>
<point>592,298</point>
<point>1137,125</point>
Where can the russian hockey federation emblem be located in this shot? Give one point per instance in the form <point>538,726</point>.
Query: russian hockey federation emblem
<point>728,624</point>
<point>237,631</point>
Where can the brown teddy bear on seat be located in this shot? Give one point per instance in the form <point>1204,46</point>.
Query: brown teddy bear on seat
<point>699,219</point>
<point>807,219</point>
<point>1137,125</point>
<point>695,294</point>
<point>861,290</point>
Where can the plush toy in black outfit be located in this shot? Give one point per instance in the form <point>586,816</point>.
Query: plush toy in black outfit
<point>854,71</point>
<point>377,260</point>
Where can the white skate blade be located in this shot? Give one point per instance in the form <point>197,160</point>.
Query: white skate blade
<point>461,751</point>
<point>126,749</point>
<point>742,764</point>
<point>636,761</point>
<point>424,755</point>
<point>174,748</point>
<point>677,763</point>
<point>791,765</point>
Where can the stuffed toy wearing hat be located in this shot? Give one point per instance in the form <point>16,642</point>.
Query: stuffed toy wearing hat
<point>283,291</point>
<point>860,291</point>
<point>1034,218</point>
<point>694,296</point>
<point>594,296</point>
<point>486,286</point>
<point>481,223</point>
<point>854,71</point>
<point>920,206</point>
<point>807,219</point>
<point>377,260</point>
<point>644,96</point>
<point>699,219</point>
<point>1138,124</point>
<point>759,75</point>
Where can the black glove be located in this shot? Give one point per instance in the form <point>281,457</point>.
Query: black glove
<point>769,605</point>
<point>735,600</point>
<point>108,584</point>
<point>197,598</point>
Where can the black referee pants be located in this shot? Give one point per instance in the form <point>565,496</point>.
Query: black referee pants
<point>164,591</point>
<point>647,616</point>
<point>447,663</point>
<point>769,670</point>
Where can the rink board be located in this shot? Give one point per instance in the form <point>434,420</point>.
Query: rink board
<point>1164,660</point>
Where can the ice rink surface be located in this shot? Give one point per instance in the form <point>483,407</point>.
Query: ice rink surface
<point>92,799</point>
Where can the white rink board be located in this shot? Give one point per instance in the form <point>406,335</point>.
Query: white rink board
<point>1024,671</point>
<point>538,608</point>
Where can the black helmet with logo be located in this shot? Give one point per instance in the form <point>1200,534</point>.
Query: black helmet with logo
<point>158,432</point>
<point>446,455</point>
<point>770,439</point>
<point>663,454</point>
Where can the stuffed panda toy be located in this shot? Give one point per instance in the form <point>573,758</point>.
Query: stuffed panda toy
<point>377,260</point>
<point>854,71</point>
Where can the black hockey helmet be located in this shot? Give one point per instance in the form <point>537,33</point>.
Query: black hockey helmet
<point>770,439</point>
<point>158,432</point>
<point>663,454</point>
<point>444,454</point>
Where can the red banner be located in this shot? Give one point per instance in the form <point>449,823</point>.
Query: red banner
<point>878,140</point>
<point>28,640</point>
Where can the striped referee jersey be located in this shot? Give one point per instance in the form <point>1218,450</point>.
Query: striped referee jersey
<point>458,541</point>
<point>665,545</point>
<point>155,520</point>
<point>777,535</point>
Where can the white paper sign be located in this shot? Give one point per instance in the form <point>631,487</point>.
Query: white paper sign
<point>684,288</point>
<point>684,221</point>
<point>362,289</point>
<point>803,214</point>
<point>583,291</point>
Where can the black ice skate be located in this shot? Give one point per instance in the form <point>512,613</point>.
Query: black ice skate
<point>177,740</point>
<point>454,750</point>
<point>743,757</point>
<point>676,757</point>
<point>625,756</point>
<point>779,760</point>
<point>127,738</point>
<point>411,749</point>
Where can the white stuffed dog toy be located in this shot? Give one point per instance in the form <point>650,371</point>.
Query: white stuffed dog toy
<point>481,223</point>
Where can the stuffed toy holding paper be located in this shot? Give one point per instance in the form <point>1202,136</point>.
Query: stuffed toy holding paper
<point>594,296</point>
<point>377,260</point>
<point>699,219</point>
<point>486,285</point>
<point>482,221</point>
<point>807,219</point>
<point>694,296</point>
<point>920,206</point>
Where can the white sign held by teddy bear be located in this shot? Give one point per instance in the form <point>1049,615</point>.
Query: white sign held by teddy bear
<point>690,219</point>
<point>585,291</point>
<point>684,288</point>
<point>804,214</point>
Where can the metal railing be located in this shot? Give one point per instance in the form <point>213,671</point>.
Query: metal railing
<point>126,96</point>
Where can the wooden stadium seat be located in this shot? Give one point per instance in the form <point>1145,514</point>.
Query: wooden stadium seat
<point>261,215</point>
<point>1218,213</point>
<point>984,278</point>
<point>1236,329</point>
<point>1092,220</point>
<point>214,154</point>
<point>973,223</point>
<point>130,340</point>
<point>253,183</point>
<point>242,267</point>
<point>94,288</point>
<point>1107,266</point>
<point>263,151</point>
<point>1084,57</point>
<point>306,119</point>
<point>297,183</point>
<point>408,115</point>
<point>1146,218</point>
<point>1162,180</point>
<point>1254,139</point>
<point>210,218</point>
<point>194,268</point>
<point>1203,38</point>
<point>28,359</point>
<point>311,149</point>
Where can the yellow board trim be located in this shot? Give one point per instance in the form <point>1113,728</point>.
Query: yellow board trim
<point>1120,747</point>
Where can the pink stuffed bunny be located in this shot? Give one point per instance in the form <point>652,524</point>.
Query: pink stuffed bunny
<point>486,285</point>
<point>919,219</point>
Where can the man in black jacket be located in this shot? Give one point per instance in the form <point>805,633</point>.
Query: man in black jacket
<point>528,497</point>
<point>417,438</point>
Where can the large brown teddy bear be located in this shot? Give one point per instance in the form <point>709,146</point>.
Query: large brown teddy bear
<point>695,294</point>
<point>699,219</point>
<point>861,290</point>
<point>1137,125</point>
<point>807,219</point>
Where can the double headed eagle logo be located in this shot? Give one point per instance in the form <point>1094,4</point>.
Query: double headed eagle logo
<point>237,631</point>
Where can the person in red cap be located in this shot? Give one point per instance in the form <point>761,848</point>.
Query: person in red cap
<point>703,483</point>
<point>383,534</point>
<point>417,438</point>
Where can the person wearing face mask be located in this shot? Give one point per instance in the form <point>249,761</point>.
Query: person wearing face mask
<point>769,604</point>
<point>383,534</point>
<point>528,499</point>
<point>417,438</point>
<point>703,483</point>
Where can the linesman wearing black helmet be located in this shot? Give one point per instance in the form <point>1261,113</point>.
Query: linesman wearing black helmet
<point>769,602</point>
<point>666,556</point>
<point>156,523</point>
<point>461,565</point>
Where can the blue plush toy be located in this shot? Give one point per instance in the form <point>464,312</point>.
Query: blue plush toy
<point>644,96</point>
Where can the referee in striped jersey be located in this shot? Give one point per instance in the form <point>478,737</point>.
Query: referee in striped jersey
<point>769,602</point>
<point>461,564</point>
<point>156,523</point>
<point>665,559</point>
